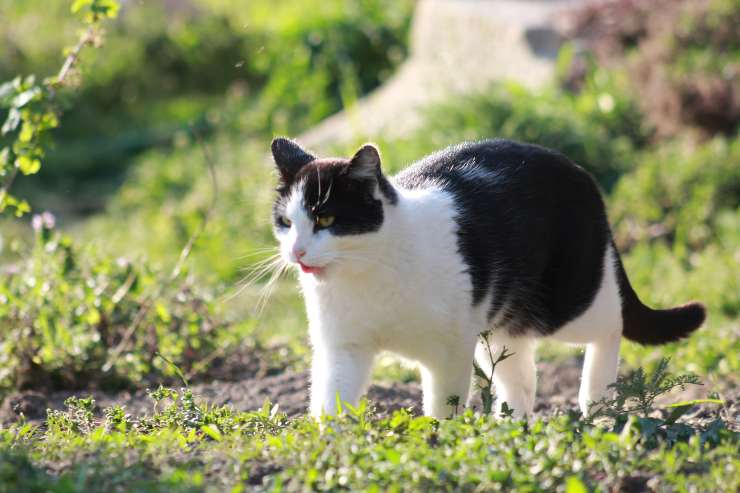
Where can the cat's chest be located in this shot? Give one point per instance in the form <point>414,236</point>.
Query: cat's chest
<point>389,310</point>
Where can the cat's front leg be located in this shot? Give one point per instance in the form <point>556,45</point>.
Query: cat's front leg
<point>341,372</point>
<point>445,380</point>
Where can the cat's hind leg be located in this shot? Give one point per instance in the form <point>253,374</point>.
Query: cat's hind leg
<point>599,369</point>
<point>515,378</point>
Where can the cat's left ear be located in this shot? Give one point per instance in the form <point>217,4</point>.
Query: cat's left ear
<point>289,157</point>
<point>365,164</point>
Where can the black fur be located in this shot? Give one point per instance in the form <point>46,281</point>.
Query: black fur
<point>289,157</point>
<point>532,228</point>
<point>645,325</point>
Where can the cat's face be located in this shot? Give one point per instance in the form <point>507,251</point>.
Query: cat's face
<point>326,207</point>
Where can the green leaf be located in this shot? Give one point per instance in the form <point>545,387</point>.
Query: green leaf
<point>96,8</point>
<point>648,426</point>
<point>163,312</point>
<point>92,317</point>
<point>713,432</point>
<point>79,5</point>
<point>695,402</point>
<point>487,399</point>
<point>27,132</point>
<point>479,372</point>
<point>575,485</point>
<point>393,456</point>
<point>28,165</point>
<point>681,408</point>
<point>108,8</point>
<point>212,431</point>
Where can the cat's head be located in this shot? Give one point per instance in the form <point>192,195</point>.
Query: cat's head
<point>327,207</point>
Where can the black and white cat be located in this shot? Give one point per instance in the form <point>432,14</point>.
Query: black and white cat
<point>490,235</point>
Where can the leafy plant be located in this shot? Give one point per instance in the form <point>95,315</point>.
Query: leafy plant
<point>69,314</point>
<point>32,108</point>
<point>78,418</point>
<point>633,404</point>
<point>636,392</point>
<point>246,70</point>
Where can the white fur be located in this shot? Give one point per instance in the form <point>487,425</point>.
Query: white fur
<point>599,328</point>
<point>404,288</point>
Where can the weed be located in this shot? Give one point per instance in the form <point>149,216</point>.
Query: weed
<point>485,380</point>
<point>633,405</point>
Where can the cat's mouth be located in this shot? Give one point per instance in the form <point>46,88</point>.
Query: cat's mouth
<point>310,269</point>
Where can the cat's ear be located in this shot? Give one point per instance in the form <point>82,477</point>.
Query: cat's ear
<point>365,164</point>
<point>289,157</point>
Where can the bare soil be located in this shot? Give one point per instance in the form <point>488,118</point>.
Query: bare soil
<point>557,393</point>
<point>287,388</point>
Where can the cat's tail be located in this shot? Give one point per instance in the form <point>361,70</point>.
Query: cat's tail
<point>645,325</point>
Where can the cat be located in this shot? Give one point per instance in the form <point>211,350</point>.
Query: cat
<point>495,237</point>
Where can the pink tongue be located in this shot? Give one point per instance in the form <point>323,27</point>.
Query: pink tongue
<point>309,269</point>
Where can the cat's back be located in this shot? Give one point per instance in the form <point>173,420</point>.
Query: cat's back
<point>531,227</point>
<point>492,164</point>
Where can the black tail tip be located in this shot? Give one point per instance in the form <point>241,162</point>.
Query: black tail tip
<point>694,313</point>
<point>652,327</point>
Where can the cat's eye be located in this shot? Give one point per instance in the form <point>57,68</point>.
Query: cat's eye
<point>324,221</point>
<point>284,221</point>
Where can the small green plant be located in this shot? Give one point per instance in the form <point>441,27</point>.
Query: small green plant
<point>78,418</point>
<point>32,108</point>
<point>178,409</point>
<point>454,402</point>
<point>633,405</point>
<point>485,380</point>
<point>636,392</point>
<point>116,418</point>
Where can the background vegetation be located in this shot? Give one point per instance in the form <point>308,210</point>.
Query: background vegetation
<point>93,295</point>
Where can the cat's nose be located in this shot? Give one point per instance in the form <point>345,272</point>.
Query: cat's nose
<point>299,252</point>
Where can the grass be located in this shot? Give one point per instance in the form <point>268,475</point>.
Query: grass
<point>183,445</point>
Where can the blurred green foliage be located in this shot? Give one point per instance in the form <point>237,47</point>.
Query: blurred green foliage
<point>169,65</point>
<point>600,128</point>
<point>682,193</point>
<point>30,110</point>
<point>71,316</point>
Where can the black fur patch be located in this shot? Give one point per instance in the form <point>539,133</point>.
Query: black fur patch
<point>329,190</point>
<point>532,229</point>
<point>337,187</point>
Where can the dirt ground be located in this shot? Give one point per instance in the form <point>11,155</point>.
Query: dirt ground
<point>245,384</point>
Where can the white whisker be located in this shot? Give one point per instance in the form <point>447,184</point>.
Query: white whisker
<point>268,289</point>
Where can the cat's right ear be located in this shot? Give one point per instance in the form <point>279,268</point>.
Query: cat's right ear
<point>289,157</point>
